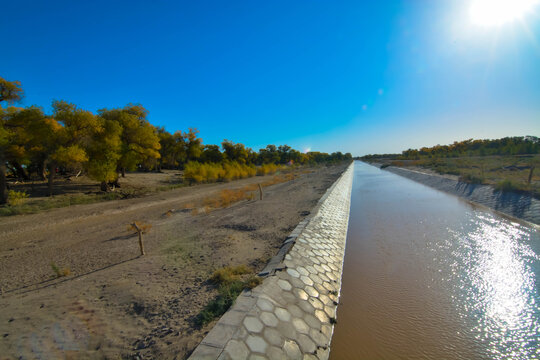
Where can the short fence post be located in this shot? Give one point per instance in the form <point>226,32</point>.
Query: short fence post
<point>139,232</point>
<point>260,192</point>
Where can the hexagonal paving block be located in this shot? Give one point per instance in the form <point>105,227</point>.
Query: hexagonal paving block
<point>295,311</point>
<point>284,285</point>
<point>306,280</point>
<point>317,304</point>
<point>269,319</point>
<point>282,314</point>
<point>300,325</point>
<point>275,353</point>
<point>273,336</point>
<point>256,344</point>
<point>292,350</point>
<point>265,305</point>
<point>253,324</point>
<point>293,273</point>
<point>237,349</point>
<point>306,344</point>
<point>322,316</point>
<point>302,270</point>
<point>301,294</point>
<point>311,291</point>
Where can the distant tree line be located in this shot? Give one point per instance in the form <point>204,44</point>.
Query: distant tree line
<point>518,145</point>
<point>107,144</point>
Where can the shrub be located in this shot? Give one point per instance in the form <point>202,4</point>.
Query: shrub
<point>60,272</point>
<point>506,185</point>
<point>16,197</point>
<point>196,172</point>
<point>471,179</point>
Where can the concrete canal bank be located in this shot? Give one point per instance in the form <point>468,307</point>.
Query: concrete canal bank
<point>291,315</point>
<point>514,204</point>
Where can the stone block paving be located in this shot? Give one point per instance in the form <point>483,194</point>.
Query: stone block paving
<point>291,314</point>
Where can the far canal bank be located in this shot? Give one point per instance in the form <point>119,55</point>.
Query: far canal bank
<point>520,205</point>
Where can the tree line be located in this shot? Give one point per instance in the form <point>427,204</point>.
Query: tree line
<point>110,142</point>
<point>518,145</point>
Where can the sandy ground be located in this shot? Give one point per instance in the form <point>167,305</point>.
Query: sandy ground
<point>116,304</point>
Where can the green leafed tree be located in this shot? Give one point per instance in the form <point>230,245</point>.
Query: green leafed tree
<point>10,91</point>
<point>104,152</point>
<point>139,139</point>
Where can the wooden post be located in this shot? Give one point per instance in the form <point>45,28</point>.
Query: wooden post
<point>139,232</point>
<point>260,192</point>
<point>530,175</point>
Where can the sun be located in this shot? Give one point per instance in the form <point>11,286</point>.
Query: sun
<point>498,12</point>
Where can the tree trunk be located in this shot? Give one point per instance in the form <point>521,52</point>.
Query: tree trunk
<point>41,169</point>
<point>3,182</point>
<point>52,172</point>
<point>123,169</point>
<point>20,171</point>
<point>105,187</point>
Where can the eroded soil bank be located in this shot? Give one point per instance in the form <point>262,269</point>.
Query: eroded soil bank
<point>116,304</point>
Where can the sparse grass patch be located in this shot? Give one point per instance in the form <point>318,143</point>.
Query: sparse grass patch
<point>60,272</point>
<point>231,281</point>
<point>229,274</point>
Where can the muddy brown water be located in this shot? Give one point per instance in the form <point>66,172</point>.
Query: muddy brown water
<point>429,276</point>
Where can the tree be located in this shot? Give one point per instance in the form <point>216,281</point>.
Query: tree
<point>104,153</point>
<point>235,152</point>
<point>73,139</point>
<point>139,139</point>
<point>194,145</point>
<point>211,153</point>
<point>10,91</point>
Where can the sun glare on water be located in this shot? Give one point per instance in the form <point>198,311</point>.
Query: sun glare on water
<point>498,12</point>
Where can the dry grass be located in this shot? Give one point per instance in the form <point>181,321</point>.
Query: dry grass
<point>227,197</point>
<point>60,272</point>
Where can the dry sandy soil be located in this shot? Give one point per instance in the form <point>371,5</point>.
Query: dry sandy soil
<point>116,304</point>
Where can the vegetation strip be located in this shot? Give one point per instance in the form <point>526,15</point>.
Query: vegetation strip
<point>292,313</point>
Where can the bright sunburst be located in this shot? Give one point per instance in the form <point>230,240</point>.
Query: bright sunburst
<point>498,12</point>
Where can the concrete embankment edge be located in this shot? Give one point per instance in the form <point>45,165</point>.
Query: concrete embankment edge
<point>291,315</point>
<point>518,205</point>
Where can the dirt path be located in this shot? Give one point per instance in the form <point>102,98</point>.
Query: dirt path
<point>116,304</point>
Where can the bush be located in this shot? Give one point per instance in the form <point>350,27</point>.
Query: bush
<point>471,179</point>
<point>16,197</point>
<point>506,185</point>
<point>196,172</point>
<point>266,169</point>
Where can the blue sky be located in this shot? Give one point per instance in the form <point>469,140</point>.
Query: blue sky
<point>355,76</point>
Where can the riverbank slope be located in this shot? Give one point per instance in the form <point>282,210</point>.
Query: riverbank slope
<point>516,204</point>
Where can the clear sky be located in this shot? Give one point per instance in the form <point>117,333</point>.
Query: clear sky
<point>355,76</point>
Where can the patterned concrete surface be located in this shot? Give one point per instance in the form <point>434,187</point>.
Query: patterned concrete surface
<point>519,205</point>
<point>291,314</point>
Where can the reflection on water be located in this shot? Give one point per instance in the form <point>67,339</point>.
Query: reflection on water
<point>497,285</point>
<point>427,276</point>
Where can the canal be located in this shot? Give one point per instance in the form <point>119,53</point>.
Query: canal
<point>429,276</point>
